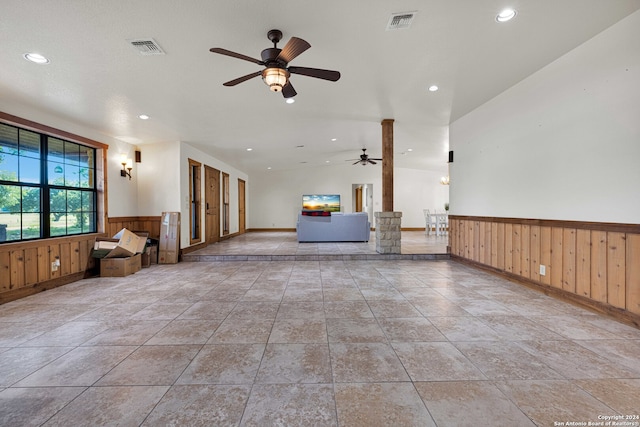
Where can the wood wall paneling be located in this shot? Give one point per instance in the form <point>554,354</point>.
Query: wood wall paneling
<point>74,259</point>
<point>516,245</point>
<point>500,246</point>
<point>569,259</point>
<point>44,268</point>
<point>556,257</point>
<point>150,224</point>
<point>65,258</point>
<point>534,254</point>
<point>30,266</point>
<point>545,254</point>
<point>476,240</point>
<point>616,275</point>
<point>54,256</point>
<point>5,271</point>
<point>494,245</point>
<point>508,247</point>
<point>599,266</point>
<point>17,268</point>
<point>481,242</point>
<point>488,239</point>
<point>525,251</point>
<point>597,262</point>
<point>583,263</point>
<point>633,273</point>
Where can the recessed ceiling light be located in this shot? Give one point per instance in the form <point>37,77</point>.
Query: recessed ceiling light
<point>506,15</point>
<point>249,149</point>
<point>36,57</point>
<point>327,161</point>
<point>433,88</point>
<point>269,168</point>
<point>334,139</point>
<point>409,149</point>
<point>290,101</point>
<point>143,117</point>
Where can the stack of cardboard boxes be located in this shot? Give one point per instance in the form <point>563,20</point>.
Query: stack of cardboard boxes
<point>127,252</point>
<point>120,255</point>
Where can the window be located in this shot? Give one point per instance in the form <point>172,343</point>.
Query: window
<point>47,186</point>
<point>194,199</point>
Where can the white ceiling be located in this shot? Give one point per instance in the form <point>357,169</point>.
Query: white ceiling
<point>97,80</point>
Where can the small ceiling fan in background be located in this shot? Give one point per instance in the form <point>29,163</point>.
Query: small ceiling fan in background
<point>364,159</point>
<point>277,72</point>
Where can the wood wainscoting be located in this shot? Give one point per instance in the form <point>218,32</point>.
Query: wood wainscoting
<point>27,268</point>
<point>135,223</point>
<point>595,264</point>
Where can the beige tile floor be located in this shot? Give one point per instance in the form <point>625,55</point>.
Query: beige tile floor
<point>311,343</point>
<point>284,245</point>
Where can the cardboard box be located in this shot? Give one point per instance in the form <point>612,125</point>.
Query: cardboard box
<point>146,254</point>
<point>124,244</point>
<point>120,267</point>
<point>169,248</point>
<point>150,256</point>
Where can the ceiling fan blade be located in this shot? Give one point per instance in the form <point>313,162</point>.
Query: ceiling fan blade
<point>288,91</point>
<point>372,162</point>
<point>330,75</point>
<point>357,162</point>
<point>293,48</point>
<point>242,79</point>
<point>376,159</point>
<point>235,55</point>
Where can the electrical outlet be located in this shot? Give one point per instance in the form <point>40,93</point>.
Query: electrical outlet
<point>543,270</point>
<point>54,266</point>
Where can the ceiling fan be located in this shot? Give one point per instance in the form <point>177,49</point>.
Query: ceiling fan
<point>364,159</point>
<point>276,73</point>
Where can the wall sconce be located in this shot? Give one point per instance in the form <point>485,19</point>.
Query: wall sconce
<point>126,167</point>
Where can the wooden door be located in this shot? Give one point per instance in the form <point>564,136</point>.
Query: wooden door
<point>358,199</point>
<point>241,206</point>
<point>212,200</point>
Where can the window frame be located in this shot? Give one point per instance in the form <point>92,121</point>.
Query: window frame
<point>96,189</point>
<point>195,201</point>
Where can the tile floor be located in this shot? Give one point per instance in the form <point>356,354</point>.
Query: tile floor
<point>311,343</point>
<point>277,246</point>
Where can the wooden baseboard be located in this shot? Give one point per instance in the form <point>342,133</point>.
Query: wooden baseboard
<point>15,294</point>
<point>619,314</point>
<point>193,248</point>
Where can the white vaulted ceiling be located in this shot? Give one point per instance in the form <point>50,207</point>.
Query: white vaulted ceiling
<point>96,79</point>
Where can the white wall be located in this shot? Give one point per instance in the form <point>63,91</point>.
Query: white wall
<point>159,179</point>
<point>276,196</point>
<point>122,191</point>
<point>189,152</point>
<point>562,144</point>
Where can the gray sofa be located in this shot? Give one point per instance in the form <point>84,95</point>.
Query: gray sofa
<point>339,227</point>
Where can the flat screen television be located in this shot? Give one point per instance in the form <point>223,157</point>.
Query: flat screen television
<point>321,202</point>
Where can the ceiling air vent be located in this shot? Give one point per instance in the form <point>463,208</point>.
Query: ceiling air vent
<point>146,46</point>
<point>400,21</point>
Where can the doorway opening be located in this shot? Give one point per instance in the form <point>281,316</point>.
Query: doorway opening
<point>362,197</point>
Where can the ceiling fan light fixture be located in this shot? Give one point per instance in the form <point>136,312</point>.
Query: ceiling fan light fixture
<point>275,78</point>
